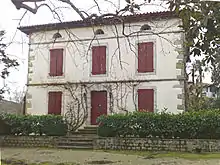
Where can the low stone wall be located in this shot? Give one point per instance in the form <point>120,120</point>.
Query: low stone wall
<point>28,141</point>
<point>185,145</point>
<point>144,144</point>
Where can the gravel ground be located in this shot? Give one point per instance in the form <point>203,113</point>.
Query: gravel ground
<point>93,157</point>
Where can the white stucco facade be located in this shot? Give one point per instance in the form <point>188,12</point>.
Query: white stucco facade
<point>121,79</point>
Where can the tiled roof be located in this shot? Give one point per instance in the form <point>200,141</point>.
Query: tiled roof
<point>96,22</point>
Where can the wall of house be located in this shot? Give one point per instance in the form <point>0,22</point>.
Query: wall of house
<point>209,92</point>
<point>121,62</point>
<point>123,98</point>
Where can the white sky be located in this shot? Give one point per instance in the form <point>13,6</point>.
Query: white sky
<point>9,21</point>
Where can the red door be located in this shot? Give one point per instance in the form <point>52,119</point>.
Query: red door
<point>99,105</point>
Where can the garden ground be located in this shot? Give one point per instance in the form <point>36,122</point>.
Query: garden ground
<point>83,157</point>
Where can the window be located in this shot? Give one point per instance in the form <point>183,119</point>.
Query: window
<point>146,100</point>
<point>145,27</point>
<point>56,62</point>
<point>54,103</point>
<point>99,32</point>
<point>98,60</point>
<point>57,35</point>
<point>145,57</point>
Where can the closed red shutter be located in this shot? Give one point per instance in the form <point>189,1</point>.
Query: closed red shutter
<point>98,60</point>
<point>59,62</point>
<point>146,100</point>
<point>56,62</point>
<point>54,103</point>
<point>145,57</point>
<point>58,103</point>
<point>53,63</point>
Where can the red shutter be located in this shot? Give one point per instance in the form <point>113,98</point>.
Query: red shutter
<point>59,62</point>
<point>56,62</point>
<point>54,103</point>
<point>53,63</point>
<point>146,100</point>
<point>58,103</point>
<point>98,60</point>
<point>145,57</point>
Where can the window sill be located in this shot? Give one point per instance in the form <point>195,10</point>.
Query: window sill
<point>55,77</point>
<point>98,75</point>
<point>145,73</point>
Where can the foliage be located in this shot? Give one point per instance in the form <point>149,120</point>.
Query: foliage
<point>202,124</point>
<point>216,69</point>
<point>4,128</point>
<point>201,20</point>
<point>38,125</point>
<point>196,98</point>
<point>5,61</point>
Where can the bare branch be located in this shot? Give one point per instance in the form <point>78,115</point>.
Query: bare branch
<point>74,8</point>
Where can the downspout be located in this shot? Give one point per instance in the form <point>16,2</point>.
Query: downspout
<point>25,98</point>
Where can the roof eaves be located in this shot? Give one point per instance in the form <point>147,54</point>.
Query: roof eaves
<point>106,21</point>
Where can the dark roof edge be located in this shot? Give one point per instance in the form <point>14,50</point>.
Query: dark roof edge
<point>96,22</point>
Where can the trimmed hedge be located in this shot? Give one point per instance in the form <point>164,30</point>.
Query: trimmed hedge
<point>5,129</point>
<point>188,125</point>
<point>51,125</point>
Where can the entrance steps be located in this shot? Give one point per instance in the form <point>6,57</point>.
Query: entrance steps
<point>82,139</point>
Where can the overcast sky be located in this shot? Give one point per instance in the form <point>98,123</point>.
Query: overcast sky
<point>10,18</point>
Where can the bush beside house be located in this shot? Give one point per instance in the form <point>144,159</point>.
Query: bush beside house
<point>50,125</point>
<point>188,125</point>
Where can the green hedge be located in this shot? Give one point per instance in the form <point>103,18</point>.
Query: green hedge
<point>188,125</point>
<point>51,125</point>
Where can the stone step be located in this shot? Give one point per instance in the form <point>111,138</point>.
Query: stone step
<point>87,131</point>
<point>75,140</point>
<point>75,147</point>
<point>75,144</point>
<point>83,137</point>
<point>91,127</point>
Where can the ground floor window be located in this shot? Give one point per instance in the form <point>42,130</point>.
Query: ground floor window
<point>54,103</point>
<point>146,100</point>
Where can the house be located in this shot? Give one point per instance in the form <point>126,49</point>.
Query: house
<point>206,89</point>
<point>210,90</point>
<point>10,107</point>
<point>105,66</point>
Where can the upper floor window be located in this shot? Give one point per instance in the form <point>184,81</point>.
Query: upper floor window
<point>54,103</point>
<point>98,60</point>
<point>56,62</point>
<point>99,32</point>
<point>57,35</point>
<point>145,27</point>
<point>145,57</point>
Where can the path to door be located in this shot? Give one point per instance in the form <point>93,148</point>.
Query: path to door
<point>93,157</point>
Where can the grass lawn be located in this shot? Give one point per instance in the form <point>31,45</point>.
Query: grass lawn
<point>21,162</point>
<point>183,155</point>
<point>103,157</point>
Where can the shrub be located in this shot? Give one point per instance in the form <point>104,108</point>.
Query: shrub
<point>34,124</point>
<point>5,129</point>
<point>204,124</point>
